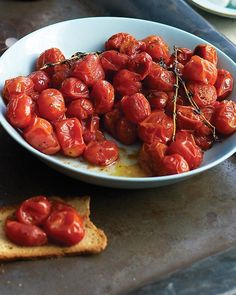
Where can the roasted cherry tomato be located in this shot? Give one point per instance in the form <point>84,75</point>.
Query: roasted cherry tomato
<point>73,88</point>
<point>61,72</point>
<point>101,153</point>
<point>18,85</point>
<point>157,48</point>
<point>188,150</point>
<point>28,235</point>
<point>224,117</point>
<point>173,164</point>
<point>51,104</point>
<point>19,111</point>
<point>34,210</point>
<point>169,108</point>
<point>80,108</point>
<point>204,130</point>
<point>41,136</point>
<point>69,133</point>
<point>91,130</point>
<point>187,118</point>
<point>51,55</point>
<point>126,131</point>
<point>140,64</point>
<point>207,52</point>
<point>151,156</point>
<point>65,227</point>
<point>112,60</point>
<point>203,94</point>
<point>183,56</point>
<point>200,70</point>
<point>115,41</point>
<point>88,69</point>
<point>103,96</point>
<point>62,206</point>
<point>205,142</point>
<point>110,120</point>
<point>156,126</point>
<point>160,79</point>
<point>135,107</point>
<point>126,82</point>
<point>158,100</point>
<point>224,84</point>
<point>41,80</point>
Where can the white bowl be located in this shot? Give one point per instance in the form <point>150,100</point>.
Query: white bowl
<point>89,34</point>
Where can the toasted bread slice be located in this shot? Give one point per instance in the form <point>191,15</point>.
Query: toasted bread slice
<point>93,242</point>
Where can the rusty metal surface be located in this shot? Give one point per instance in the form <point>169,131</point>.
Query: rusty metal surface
<point>151,232</point>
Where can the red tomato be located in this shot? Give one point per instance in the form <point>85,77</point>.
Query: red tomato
<point>65,227</point>
<point>41,136</point>
<point>173,164</point>
<point>51,55</point>
<point>19,111</point>
<point>103,96</point>
<point>80,108</point>
<point>112,60</point>
<point>115,41</point>
<point>69,133</point>
<point>156,126</point>
<point>110,120</point>
<point>101,153</point>
<point>61,72</point>
<point>126,131</point>
<point>224,117</point>
<point>187,118</point>
<point>88,69</point>
<point>91,130</point>
<point>204,130</point>
<point>203,94</point>
<point>200,70</point>
<point>73,88</point>
<point>132,47</point>
<point>25,234</point>
<point>18,85</point>
<point>184,135</point>
<point>160,79</point>
<point>157,48</point>
<point>140,64</point>
<point>51,104</point>
<point>34,210</point>
<point>169,108</point>
<point>224,84</point>
<point>151,156</point>
<point>188,150</point>
<point>135,107</point>
<point>183,56</point>
<point>158,100</point>
<point>62,206</point>
<point>207,52</point>
<point>205,142</point>
<point>41,80</point>
<point>126,82</point>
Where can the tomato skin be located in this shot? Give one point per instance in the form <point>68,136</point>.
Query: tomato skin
<point>73,88</point>
<point>207,52</point>
<point>34,210</point>
<point>156,126</point>
<point>140,64</point>
<point>169,108</point>
<point>173,164</point>
<point>151,156</point>
<point>80,108</point>
<point>19,111</point>
<point>205,142</point>
<point>126,82</point>
<point>112,60</point>
<point>28,235</point>
<point>41,80</point>
<point>187,118</point>
<point>65,227</point>
<point>41,136</point>
<point>126,131</point>
<point>110,120</point>
<point>101,153</point>
<point>158,100</point>
<point>188,150</point>
<point>224,117</point>
<point>69,133</point>
<point>204,130</point>
<point>224,84</point>
<point>115,41</point>
<point>183,56</point>
<point>200,70</point>
<point>103,96</point>
<point>18,85</point>
<point>51,105</point>
<point>51,55</point>
<point>61,206</point>
<point>160,79</point>
<point>157,48</point>
<point>203,94</point>
<point>61,72</point>
<point>135,107</point>
<point>89,70</point>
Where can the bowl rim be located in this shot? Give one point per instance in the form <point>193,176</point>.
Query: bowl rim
<point>96,174</point>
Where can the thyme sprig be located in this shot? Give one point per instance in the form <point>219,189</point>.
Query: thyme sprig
<point>176,86</point>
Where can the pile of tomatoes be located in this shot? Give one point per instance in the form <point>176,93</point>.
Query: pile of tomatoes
<point>128,91</point>
<point>39,220</point>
